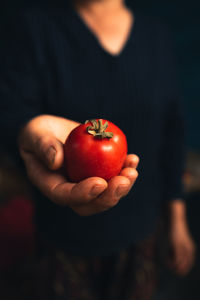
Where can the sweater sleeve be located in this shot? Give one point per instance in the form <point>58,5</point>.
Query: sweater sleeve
<point>173,143</point>
<point>20,87</point>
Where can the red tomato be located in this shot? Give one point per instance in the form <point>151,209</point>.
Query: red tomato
<point>96,148</point>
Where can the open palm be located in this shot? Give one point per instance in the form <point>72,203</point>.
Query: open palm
<point>41,147</point>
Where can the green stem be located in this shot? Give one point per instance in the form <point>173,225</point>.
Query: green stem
<point>98,129</point>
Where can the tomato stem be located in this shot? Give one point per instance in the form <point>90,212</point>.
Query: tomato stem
<point>98,129</point>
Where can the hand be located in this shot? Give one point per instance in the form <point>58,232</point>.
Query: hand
<point>182,247</point>
<point>41,148</point>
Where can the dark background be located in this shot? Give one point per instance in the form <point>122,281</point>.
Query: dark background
<point>184,19</point>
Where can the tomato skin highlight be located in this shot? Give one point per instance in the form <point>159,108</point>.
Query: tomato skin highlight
<point>91,156</point>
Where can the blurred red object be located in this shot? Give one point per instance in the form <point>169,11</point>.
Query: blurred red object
<point>17,230</point>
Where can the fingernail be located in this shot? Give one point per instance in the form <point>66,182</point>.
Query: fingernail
<point>96,190</point>
<point>121,190</point>
<point>51,154</point>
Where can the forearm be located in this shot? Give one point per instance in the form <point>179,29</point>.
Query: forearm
<point>177,209</point>
<point>177,214</point>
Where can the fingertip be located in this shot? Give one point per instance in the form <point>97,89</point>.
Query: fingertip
<point>135,158</point>
<point>132,161</point>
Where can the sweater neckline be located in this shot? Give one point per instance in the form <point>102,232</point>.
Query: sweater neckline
<point>88,38</point>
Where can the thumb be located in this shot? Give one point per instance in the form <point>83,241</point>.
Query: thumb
<point>50,151</point>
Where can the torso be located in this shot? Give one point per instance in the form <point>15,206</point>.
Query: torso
<point>82,80</point>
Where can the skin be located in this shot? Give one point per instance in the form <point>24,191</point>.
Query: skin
<point>181,256</point>
<point>110,21</point>
<point>41,146</point>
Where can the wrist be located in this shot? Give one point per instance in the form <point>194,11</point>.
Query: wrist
<point>177,211</point>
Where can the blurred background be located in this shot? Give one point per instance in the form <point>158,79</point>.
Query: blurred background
<point>17,239</point>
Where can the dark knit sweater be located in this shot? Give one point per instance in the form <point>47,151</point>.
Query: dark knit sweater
<point>53,64</point>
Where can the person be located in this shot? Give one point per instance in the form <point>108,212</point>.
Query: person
<point>82,60</point>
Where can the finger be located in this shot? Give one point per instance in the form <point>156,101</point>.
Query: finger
<point>131,161</point>
<point>100,205</point>
<point>50,151</point>
<point>81,193</point>
<point>57,188</point>
<point>118,187</point>
<point>129,173</point>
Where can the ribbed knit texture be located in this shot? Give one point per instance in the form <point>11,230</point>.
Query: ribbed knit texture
<point>53,64</point>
